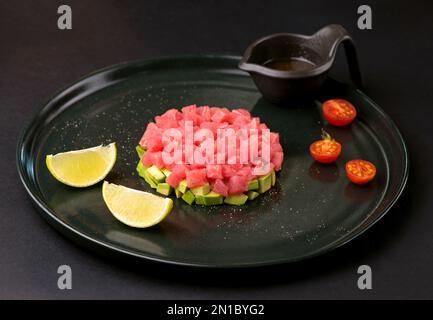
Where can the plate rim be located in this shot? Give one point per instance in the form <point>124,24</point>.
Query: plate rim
<point>112,248</point>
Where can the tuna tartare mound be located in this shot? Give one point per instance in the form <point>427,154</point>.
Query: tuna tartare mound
<point>209,155</point>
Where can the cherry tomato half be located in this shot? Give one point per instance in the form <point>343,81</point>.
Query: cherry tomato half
<point>326,150</point>
<point>360,171</point>
<point>338,112</point>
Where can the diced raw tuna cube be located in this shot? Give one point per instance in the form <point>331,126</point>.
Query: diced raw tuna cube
<point>220,187</point>
<point>166,123</point>
<point>214,171</point>
<point>241,121</point>
<point>212,126</point>
<point>221,115</point>
<point>196,178</point>
<point>190,108</point>
<point>180,170</point>
<point>274,138</point>
<point>276,147</point>
<point>254,123</point>
<point>193,166</point>
<point>263,126</point>
<point>263,170</point>
<point>277,160</point>
<point>146,159</point>
<point>151,131</point>
<point>155,158</point>
<point>243,112</point>
<point>237,184</point>
<point>173,179</point>
<point>192,116</point>
<point>245,172</point>
<point>169,166</point>
<point>205,113</point>
<point>154,143</point>
<point>228,171</point>
<point>237,166</point>
<point>172,114</point>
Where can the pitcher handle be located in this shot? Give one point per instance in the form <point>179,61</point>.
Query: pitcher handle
<point>336,34</point>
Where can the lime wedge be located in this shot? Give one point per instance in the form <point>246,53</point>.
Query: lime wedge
<point>135,208</point>
<point>82,168</point>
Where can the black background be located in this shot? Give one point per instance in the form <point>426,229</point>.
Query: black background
<point>37,59</point>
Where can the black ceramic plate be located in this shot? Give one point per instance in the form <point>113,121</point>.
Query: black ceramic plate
<point>312,209</point>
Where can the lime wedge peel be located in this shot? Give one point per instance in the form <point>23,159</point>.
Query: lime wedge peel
<point>135,208</point>
<point>82,168</point>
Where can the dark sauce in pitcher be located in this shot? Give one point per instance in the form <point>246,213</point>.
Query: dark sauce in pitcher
<point>290,64</point>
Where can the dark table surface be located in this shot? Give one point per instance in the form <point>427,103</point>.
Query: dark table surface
<point>37,59</point>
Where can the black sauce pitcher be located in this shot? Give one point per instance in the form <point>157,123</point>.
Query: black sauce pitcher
<point>319,49</point>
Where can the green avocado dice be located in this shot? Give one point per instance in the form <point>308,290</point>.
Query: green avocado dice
<point>182,186</point>
<point>252,195</point>
<point>163,188</point>
<point>202,190</point>
<point>210,199</point>
<point>140,151</point>
<point>188,197</point>
<point>253,184</point>
<point>273,178</point>
<point>156,174</point>
<point>150,180</point>
<point>178,193</point>
<point>140,169</point>
<point>142,172</point>
<point>236,200</point>
<point>166,172</point>
<point>265,183</point>
<point>199,200</point>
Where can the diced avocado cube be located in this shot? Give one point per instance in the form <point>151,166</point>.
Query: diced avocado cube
<point>253,184</point>
<point>140,169</point>
<point>163,188</point>
<point>140,151</point>
<point>210,199</point>
<point>156,174</point>
<point>265,183</point>
<point>142,172</point>
<point>166,172</point>
<point>150,180</point>
<point>178,193</point>
<point>213,198</point>
<point>182,186</point>
<point>273,178</point>
<point>202,190</point>
<point>236,200</point>
<point>252,195</point>
<point>188,197</point>
<point>199,200</point>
